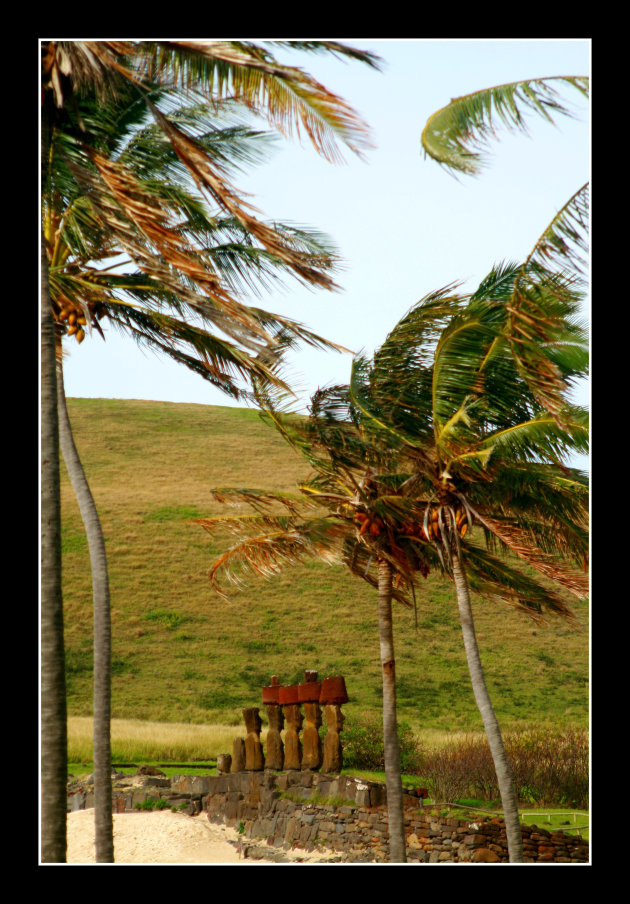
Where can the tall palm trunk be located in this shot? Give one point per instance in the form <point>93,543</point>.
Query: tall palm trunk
<point>396,823</point>
<point>104,836</point>
<point>490,724</point>
<point>54,757</point>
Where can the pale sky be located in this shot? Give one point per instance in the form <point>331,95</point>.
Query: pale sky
<point>403,226</point>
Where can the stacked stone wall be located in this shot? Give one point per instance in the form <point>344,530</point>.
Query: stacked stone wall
<point>289,810</point>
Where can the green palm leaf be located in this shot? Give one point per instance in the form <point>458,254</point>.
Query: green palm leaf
<point>564,243</point>
<point>548,342</point>
<point>541,437</point>
<point>456,134</point>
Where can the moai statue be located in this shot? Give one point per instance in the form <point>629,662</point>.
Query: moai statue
<point>308,694</point>
<point>333,757</point>
<point>311,741</point>
<point>224,763</point>
<point>238,755</point>
<point>292,744</point>
<point>254,758</point>
<point>275,747</point>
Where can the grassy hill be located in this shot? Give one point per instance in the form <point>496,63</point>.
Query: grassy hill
<point>183,654</point>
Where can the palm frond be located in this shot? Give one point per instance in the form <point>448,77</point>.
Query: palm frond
<point>564,243</point>
<point>540,347</point>
<point>209,180</point>
<point>262,500</point>
<point>335,48</point>
<point>412,341</point>
<point>469,359</point>
<point>84,67</point>
<point>245,266</point>
<point>492,577</point>
<point>141,225</point>
<point>541,438</point>
<point>270,551</point>
<point>549,349</point>
<point>246,525</point>
<point>455,135</point>
<point>520,543</point>
<point>398,379</point>
<point>219,127</point>
<point>291,99</point>
<point>215,360</point>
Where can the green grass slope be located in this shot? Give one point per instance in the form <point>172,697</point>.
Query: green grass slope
<point>181,653</point>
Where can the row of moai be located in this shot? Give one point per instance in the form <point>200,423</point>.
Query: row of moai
<point>283,705</point>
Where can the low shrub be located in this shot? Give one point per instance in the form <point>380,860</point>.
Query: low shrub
<point>550,768</point>
<point>363,746</point>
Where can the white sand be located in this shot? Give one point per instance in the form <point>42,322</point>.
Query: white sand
<point>162,837</point>
<point>154,837</point>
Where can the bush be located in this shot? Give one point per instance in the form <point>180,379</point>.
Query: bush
<point>363,746</point>
<point>549,768</point>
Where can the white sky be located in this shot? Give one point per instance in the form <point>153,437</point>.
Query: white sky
<point>403,226</point>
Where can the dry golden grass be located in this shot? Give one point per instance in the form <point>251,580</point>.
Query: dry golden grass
<point>136,741</point>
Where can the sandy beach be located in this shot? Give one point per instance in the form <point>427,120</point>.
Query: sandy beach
<point>163,837</point>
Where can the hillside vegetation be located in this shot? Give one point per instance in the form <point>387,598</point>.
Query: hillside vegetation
<point>181,653</point>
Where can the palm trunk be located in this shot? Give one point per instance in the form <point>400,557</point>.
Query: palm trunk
<point>491,726</point>
<point>396,823</point>
<point>54,762</point>
<point>104,837</point>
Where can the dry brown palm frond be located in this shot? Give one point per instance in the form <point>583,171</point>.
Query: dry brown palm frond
<point>521,543</point>
<point>244,526</point>
<point>128,210</point>
<point>152,220</point>
<point>208,179</point>
<point>288,96</point>
<point>88,65</point>
<point>266,554</point>
<point>262,501</point>
<point>554,603</point>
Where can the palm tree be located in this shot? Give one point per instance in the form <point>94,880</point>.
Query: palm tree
<point>54,771</point>
<point>104,839</point>
<point>126,211</point>
<point>491,455</point>
<point>454,137</point>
